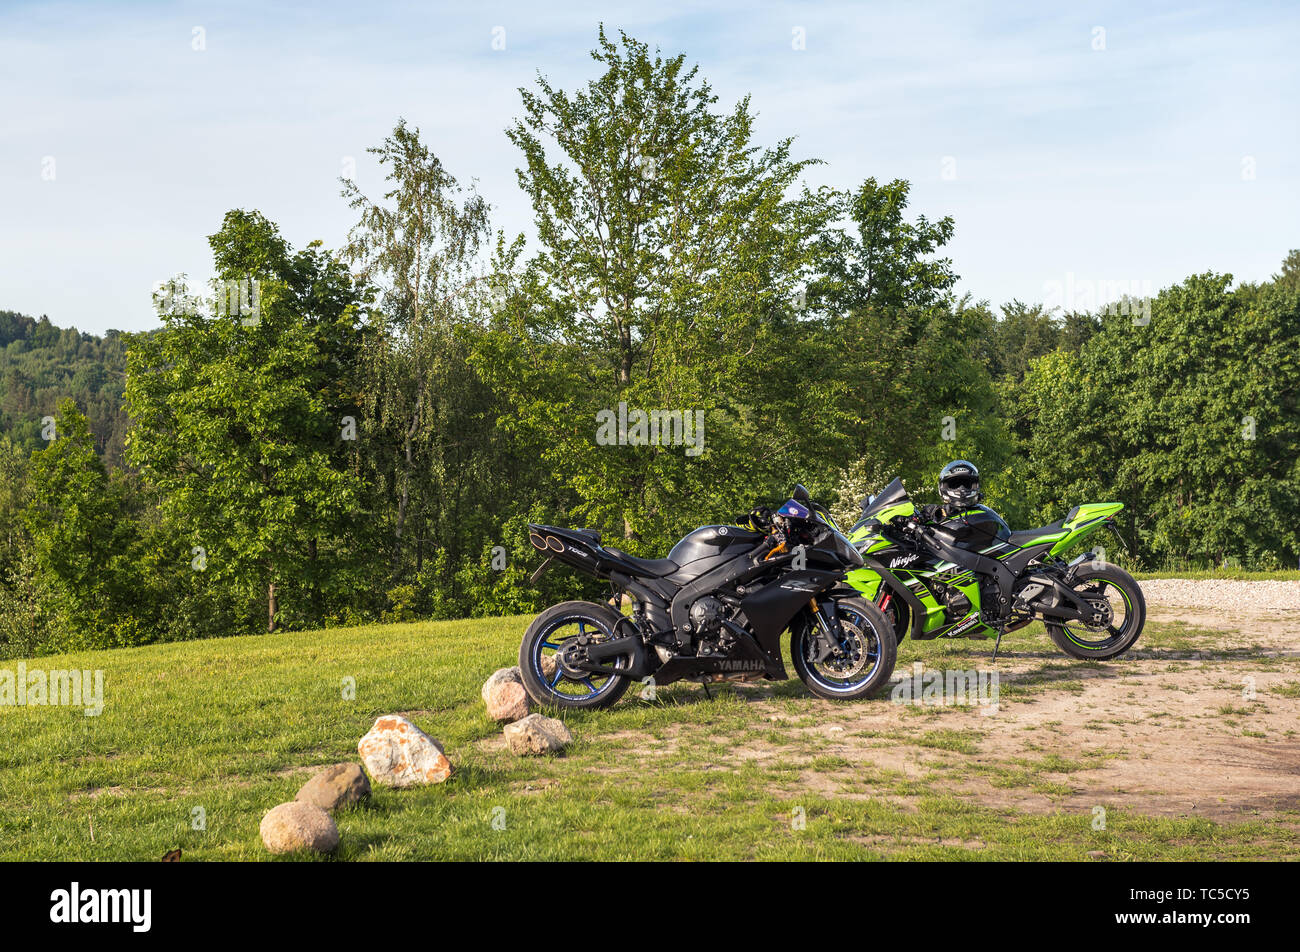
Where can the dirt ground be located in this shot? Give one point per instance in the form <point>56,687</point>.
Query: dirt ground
<point>1201,725</point>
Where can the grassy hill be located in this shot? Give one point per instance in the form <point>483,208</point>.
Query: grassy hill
<point>234,726</point>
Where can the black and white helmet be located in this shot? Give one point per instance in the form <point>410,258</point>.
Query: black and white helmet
<point>959,486</point>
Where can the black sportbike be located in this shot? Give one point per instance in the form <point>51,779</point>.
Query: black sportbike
<point>713,610</point>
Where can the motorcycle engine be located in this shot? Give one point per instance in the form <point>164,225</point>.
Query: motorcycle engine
<point>707,615</point>
<point>955,602</point>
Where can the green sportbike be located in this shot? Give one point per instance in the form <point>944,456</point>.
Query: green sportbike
<point>971,576</point>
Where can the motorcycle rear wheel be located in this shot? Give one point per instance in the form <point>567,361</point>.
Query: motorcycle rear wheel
<point>1123,623</point>
<point>549,680</point>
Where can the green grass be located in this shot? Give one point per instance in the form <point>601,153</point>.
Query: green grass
<point>234,726</point>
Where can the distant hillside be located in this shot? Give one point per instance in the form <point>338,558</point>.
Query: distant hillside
<point>40,364</point>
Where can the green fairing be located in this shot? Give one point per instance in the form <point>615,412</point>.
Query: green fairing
<point>1083,522</point>
<point>865,581</point>
<point>1090,517</point>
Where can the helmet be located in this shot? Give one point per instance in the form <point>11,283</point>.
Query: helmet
<point>959,486</point>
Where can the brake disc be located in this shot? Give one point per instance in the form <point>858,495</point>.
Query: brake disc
<point>852,664</point>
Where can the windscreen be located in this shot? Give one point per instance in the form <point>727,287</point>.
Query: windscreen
<point>891,495</point>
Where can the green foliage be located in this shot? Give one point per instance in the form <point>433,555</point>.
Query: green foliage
<point>84,543</point>
<point>41,364</point>
<point>672,251</point>
<point>890,266</point>
<point>1191,420</point>
<point>434,463</point>
<point>239,424</point>
<point>912,362</point>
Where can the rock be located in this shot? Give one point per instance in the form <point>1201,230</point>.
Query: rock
<point>338,786</point>
<point>548,667</point>
<point>398,754</point>
<point>1097,854</point>
<point>505,696</point>
<point>298,825</point>
<point>537,735</point>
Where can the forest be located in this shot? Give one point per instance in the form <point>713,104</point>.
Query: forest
<point>328,437</point>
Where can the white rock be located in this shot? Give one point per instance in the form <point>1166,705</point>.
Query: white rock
<point>536,734</point>
<point>505,695</point>
<point>398,754</point>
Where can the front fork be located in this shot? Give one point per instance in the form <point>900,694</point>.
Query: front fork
<point>829,635</point>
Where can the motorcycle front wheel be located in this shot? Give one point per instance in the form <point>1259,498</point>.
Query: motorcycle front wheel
<point>867,656</point>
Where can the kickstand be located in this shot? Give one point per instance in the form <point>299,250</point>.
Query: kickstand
<point>996,644</point>
<point>708,694</point>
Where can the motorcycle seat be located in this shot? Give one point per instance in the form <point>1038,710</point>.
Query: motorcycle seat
<point>656,568</point>
<point>1026,536</point>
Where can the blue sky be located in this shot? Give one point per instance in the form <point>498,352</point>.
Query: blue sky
<point>1170,151</point>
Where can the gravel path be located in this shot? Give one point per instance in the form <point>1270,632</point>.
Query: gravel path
<point>1228,594</point>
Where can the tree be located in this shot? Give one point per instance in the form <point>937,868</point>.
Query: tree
<point>84,541</point>
<point>41,364</point>
<point>428,419</point>
<point>1023,332</point>
<point>911,359</point>
<point>240,424</point>
<point>667,281</point>
<point>892,264</point>
<point>1193,421</point>
<point>1290,274</point>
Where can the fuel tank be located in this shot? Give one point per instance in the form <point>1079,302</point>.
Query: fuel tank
<point>715,543</point>
<point>978,528</point>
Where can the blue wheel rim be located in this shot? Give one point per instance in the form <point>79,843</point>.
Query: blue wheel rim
<point>553,639</point>
<point>871,647</point>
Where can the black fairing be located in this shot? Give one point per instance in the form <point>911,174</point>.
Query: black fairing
<point>770,608</point>
<point>1019,560</point>
<point>978,527</point>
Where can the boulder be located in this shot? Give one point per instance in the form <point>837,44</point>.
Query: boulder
<point>298,825</point>
<point>505,695</point>
<point>339,786</point>
<point>536,734</point>
<point>398,754</point>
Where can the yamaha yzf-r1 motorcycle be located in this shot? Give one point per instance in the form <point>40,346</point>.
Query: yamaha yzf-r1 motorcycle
<point>713,610</point>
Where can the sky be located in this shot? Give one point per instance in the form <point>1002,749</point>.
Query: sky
<point>1082,148</point>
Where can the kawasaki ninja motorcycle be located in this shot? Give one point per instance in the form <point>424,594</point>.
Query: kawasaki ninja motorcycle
<point>971,576</point>
<point>713,610</point>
